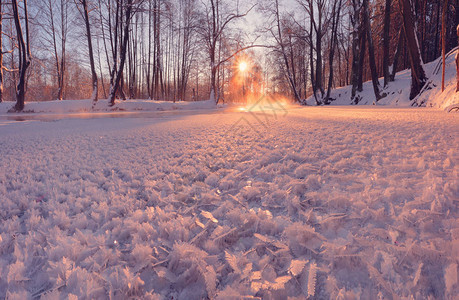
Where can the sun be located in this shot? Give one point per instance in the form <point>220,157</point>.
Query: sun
<point>242,66</point>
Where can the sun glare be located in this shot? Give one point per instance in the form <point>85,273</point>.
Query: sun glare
<point>243,66</point>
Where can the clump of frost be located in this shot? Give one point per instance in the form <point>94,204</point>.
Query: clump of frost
<point>212,180</point>
<point>191,272</point>
<point>303,238</point>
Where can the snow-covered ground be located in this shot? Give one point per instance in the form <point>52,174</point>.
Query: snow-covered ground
<point>335,202</point>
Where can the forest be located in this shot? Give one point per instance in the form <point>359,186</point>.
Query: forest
<point>187,50</point>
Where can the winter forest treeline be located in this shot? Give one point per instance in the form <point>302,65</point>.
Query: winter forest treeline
<point>188,49</point>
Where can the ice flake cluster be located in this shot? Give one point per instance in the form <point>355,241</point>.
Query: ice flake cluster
<point>328,203</point>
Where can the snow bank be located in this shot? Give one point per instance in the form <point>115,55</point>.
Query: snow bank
<point>78,106</point>
<point>398,91</point>
<point>325,202</point>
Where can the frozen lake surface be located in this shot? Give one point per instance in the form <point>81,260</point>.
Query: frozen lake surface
<point>315,201</point>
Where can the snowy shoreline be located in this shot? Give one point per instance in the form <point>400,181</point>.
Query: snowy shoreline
<point>85,106</point>
<point>397,96</point>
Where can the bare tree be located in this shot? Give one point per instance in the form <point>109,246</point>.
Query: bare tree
<point>333,44</point>
<point>320,32</point>
<point>90,51</point>
<point>117,70</point>
<point>157,87</point>
<point>418,77</point>
<point>216,21</point>
<point>284,47</point>
<point>443,43</point>
<point>317,11</point>
<point>187,27</point>
<point>401,40</point>
<point>386,42</point>
<point>56,36</point>
<point>24,53</point>
<point>132,52</point>
<point>355,20</point>
<point>1,52</point>
<point>457,63</point>
<point>371,52</point>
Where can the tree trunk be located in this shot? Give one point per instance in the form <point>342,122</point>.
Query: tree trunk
<point>100,69</point>
<point>386,43</point>
<point>154,75</point>
<point>363,40</point>
<point>113,35</point>
<point>437,22</point>
<point>105,43</point>
<point>157,85</point>
<point>284,55</point>
<point>371,52</point>
<point>119,72</point>
<point>333,41</point>
<point>213,79</point>
<point>401,38</point>
<point>150,95</point>
<point>418,77</point>
<point>56,55</point>
<point>212,48</point>
<point>443,43</point>
<point>457,63</point>
<point>421,15</point>
<point>319,63</point>
<point>24,57</point>
<point>121,86</point>
<point>311,61</point>
<point>355,48</point>
<point>91,54</point>
<point>1,53</point>
<point>64,15</point>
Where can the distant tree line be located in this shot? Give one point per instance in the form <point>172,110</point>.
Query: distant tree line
<point>185,49</point>
<point>151,49</point>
